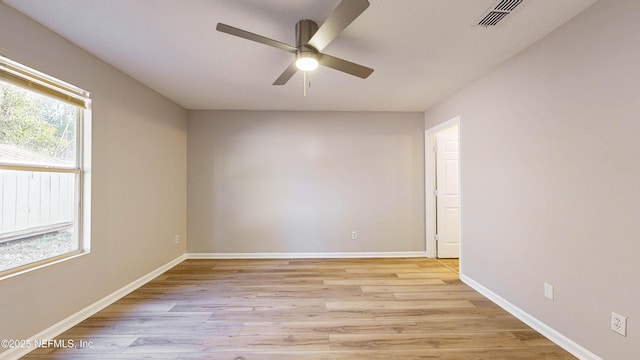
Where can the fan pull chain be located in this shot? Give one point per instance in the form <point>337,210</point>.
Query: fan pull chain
<point>306,83</point>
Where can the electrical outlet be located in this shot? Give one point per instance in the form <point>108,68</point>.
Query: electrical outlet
<point>177,239</point>
<point>354,235</point>
<point>619,324</point>
<point>548,291</point>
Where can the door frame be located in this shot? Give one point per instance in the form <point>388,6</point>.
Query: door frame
<point>430,183</point>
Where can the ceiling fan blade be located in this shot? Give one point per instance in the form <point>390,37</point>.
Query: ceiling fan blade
<point>344,66</point>
<point>255,37</point>
<point>342,16</point>
<point>287,74</point>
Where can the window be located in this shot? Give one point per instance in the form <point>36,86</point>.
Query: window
<point>42,120</point>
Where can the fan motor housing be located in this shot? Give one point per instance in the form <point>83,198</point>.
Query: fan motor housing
<point>304,31</point>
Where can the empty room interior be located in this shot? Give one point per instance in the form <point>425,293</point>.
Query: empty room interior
<point>221,200</point>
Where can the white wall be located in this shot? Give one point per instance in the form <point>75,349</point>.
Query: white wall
<point>139,184</point>
<point>550,177</point>
<point>300,182</point>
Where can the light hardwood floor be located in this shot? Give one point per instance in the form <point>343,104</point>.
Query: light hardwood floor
<point>306,309</point>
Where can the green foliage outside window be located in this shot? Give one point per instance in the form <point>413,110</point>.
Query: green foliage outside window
<point>36,122</point>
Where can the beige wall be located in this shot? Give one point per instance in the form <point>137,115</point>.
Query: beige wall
<point>551,177</point>
<point>139,184</point>
<point>300,182</point>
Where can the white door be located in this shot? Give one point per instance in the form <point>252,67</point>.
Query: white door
<point>447,195</point>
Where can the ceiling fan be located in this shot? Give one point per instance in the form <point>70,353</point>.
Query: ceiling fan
<point>311,40</point>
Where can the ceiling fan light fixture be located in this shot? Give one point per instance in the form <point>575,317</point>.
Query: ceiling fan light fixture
<point>306,61</point>
<point>311,39</point>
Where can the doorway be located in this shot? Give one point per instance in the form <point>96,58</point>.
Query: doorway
<point>442,175</point>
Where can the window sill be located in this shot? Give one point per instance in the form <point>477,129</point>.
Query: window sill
<point>7,274</point>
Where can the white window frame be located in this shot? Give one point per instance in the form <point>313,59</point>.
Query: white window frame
<point>23,76</point>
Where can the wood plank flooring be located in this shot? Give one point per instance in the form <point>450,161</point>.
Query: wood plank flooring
<point>306,309</point>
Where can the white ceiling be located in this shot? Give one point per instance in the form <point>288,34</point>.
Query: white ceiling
<point>421,50</point>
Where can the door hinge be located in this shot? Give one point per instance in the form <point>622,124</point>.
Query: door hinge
<point>435,192</point>
<point>435,148</point>
<point>436,237</point>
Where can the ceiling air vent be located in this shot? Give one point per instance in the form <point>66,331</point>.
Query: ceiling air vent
<point>498,12</point>
<point>507,5</point>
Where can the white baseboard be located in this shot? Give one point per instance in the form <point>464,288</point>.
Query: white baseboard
<point>64,325</point>
<point>321,255</point>
<point>564,342</point>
